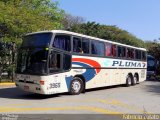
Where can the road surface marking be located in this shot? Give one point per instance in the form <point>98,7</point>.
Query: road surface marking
<point>121,104</point>
<point>87,108</point>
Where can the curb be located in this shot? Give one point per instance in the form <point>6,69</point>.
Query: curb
<point>7,84</point>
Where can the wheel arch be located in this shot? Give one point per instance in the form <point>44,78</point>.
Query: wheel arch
<point>131,75</point>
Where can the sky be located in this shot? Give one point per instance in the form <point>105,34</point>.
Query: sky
<point>139,17</point>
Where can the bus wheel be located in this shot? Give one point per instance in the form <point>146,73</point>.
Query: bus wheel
<point>135,80</point>
<point>77,86</point>
<point>128,81</point>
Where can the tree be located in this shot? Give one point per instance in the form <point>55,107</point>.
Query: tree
<point>21,17</point>
<point>69,21</point>
<point>153,48</point>
<point>18,17</point>
<point>112,33</point>
<point>5,56</point>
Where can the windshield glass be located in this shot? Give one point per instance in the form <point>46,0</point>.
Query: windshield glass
<point>37,40</point>
<point>32,61</point>
<point>151,63</point>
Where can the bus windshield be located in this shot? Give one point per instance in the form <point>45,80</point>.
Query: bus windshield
<point>32,61</point>
<point>37,40</point>
<point>151,63</point>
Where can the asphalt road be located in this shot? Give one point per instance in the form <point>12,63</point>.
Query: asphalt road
<point>142,98</point>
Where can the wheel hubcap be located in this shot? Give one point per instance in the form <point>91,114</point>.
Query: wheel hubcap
<point>76,85</point>
<point>135,79</point>
<point>129,80</point>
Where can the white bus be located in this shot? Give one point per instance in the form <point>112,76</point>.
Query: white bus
<point>57,61</point>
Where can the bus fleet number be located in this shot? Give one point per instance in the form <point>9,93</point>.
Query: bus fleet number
<point>55,85</point>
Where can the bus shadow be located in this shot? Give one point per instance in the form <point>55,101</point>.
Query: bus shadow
<point>15,93</point>
<point>153,88</point>
<point>104,88</point>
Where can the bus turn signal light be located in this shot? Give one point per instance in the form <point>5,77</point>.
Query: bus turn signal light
<point>41,82</point>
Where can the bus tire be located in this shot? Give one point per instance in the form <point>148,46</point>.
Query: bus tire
<point>135,80</point>
<point>128,81</point>
<point>77,86</point>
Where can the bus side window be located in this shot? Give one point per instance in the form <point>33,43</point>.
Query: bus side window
<point>114,50</point>
<point>97,48</point>
<point>138,54</point>
<point>55,62</point>
<point>85,45</point>
<point>93,48</point>
<point>77,46</point>
<point>123,52</point>
<point>62,42</point>
<point>130,53</point>
<point>119,51</point>
<point>101,48</point>
<point>66,61</point>
<point>108,49</point>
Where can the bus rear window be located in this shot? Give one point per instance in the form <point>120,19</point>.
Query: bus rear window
<point>37,40</point>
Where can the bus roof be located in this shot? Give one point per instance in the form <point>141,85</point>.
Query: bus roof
<point>86,36</point>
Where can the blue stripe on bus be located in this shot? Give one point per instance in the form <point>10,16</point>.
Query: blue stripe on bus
<point>88,74</point>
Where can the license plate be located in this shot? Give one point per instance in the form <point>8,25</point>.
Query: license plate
<point>26,87</point>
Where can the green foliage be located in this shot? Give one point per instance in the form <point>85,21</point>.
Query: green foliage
<point>153,48</point>
<point>5,57</point>
<point>18,17</point>
<point>107,32</point>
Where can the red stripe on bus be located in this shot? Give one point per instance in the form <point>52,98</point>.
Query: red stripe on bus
<point>88,61</point>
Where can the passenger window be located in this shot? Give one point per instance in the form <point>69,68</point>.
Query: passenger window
<point>94,48</point>
<point>55,62</point>
<point>66,62</point>
<point>114,50</point>
<point>130,53</point>
<point>85,45</point>
<point>119,51</point>
<point>101,48</point>
<point>138,54</point>
<point>97,48</point>
<point>108,49</point>
<point>123,52</point>
<point>62,42</point>
<point>77,46</point>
